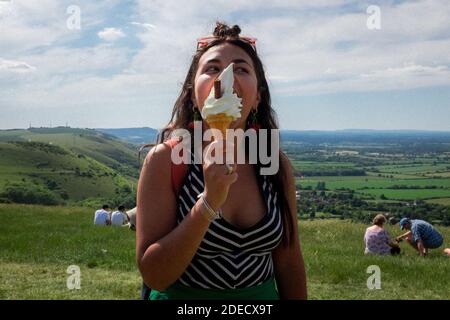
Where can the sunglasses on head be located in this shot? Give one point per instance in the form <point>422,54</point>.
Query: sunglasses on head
<point>203,42</point>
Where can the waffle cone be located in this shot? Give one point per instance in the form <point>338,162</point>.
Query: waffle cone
<point>220,122</point>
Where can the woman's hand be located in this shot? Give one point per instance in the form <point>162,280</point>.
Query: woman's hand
<point>216,177</point>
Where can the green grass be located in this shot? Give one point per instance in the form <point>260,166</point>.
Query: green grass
<point>409,194</point>
<point>38,243</point>
<point>336,266</point>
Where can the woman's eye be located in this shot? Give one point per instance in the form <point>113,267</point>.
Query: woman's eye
<point>211,69</point>
<point>217,69</point>
<point>241,70</point>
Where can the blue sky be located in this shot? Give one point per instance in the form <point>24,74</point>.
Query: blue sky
<point>326,69</point>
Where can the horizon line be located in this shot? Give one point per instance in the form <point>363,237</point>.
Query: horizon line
<point>296,130</point>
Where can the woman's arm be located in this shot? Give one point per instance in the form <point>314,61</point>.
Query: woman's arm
<point>163,249</point>
<point>288,261</point>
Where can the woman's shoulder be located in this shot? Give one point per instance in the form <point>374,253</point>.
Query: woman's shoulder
<point>374,229</point>
<point>369,230</point>
<point>157,168</point>
<point>159,155</point>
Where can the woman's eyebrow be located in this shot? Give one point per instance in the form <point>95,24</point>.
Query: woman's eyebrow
<point>215,60</point>
<point>240,61</point>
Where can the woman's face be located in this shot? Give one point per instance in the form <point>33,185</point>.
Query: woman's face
<point>212,63</point>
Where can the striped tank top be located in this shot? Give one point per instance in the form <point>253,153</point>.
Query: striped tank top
<point>229,257</point>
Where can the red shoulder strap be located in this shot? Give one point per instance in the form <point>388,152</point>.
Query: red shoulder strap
<point>178,171</point>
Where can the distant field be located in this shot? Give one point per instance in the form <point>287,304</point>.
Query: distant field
<point>411,180</point>
<point>395,175</point>
<point>442,201</point>
<point>414,169</point>
<point>409,194</point>
<point>308,165</point>
<point>439,174</point>
<point>360,182</point>
<point>38,243</point>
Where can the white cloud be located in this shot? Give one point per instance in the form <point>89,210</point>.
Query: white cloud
<point>69,61</point>
<point>27,25</point>
<point>409,69</point>
<point>15,66</point>
<point>307,47</point>
<point>110,34</point>
<point>147,26</point>
<point>410,76</point>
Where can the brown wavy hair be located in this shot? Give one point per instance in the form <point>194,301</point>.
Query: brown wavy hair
<point>182,113</point>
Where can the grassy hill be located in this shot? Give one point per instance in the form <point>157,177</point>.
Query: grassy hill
<point>103,147</point>
<point>71,164</point>
<point>38,244</point>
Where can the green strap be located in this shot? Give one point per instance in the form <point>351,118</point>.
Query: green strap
<point>264,291</point>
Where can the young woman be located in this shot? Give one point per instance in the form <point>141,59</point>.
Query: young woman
<point>253,251</point>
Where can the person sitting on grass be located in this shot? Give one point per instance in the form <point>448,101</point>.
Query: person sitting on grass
<point>102,217</point>
<point>377,239</point>
<point>421,235</point>
<point>132,222</point>
<point>119,217</point>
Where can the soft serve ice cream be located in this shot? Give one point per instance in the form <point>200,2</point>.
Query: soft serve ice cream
<point>220,112</point>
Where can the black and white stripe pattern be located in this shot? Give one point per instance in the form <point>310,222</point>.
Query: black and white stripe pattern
<point>228,257</point>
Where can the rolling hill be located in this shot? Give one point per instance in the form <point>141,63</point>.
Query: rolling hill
<point>73,165</point>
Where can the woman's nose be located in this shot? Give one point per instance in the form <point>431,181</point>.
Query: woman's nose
<point>236,84</point>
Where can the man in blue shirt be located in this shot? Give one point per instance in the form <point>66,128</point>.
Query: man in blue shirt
<point>421,235</point>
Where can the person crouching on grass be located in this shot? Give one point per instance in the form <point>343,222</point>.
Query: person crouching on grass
<point>250,251</point>
<point>421,235</point>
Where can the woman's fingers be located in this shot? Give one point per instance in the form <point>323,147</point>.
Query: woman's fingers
<point>207,154</point>
<point>219,152</point>
<point>218,177</point>
<point>230,176</point>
